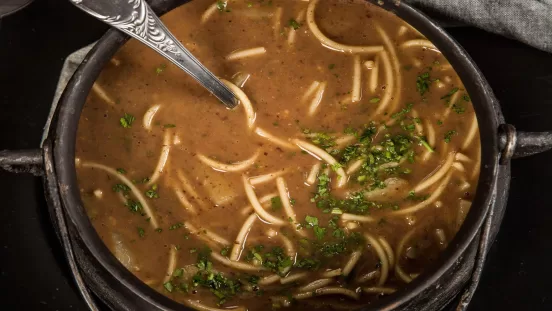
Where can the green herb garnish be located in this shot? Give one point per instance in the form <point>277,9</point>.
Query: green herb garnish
<point>126,120</point>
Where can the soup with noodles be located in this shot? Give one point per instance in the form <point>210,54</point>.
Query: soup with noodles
<point>348,166</point>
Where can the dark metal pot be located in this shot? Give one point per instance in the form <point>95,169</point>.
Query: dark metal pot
<point>95,268</point>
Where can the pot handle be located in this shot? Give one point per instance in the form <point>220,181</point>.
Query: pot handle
<point>513,144</point>
<point>22,161</point>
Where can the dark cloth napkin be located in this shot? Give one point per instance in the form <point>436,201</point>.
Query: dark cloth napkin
<point>529,21</point>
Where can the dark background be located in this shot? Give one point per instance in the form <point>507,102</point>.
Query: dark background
<point>33,276</point>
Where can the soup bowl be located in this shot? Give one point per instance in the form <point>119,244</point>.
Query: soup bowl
<point>96,270</point>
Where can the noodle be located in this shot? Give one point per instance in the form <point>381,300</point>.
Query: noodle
<point>329,43</point>
<point>433,178</point>
<point>389,84</point>
<point>430,133</point>
<point>311,178</point>
<point>420,43</point>
<point>314,285</point>
<point>471,133</point>
<point>249,112</point>
<point>292,31</point>
<point>388,250</point>
<point>369,64</point>
<point>211,236</point>
<point>257,180</point>
<point>273,139</point>
<point>172,263</point>
<point>188,186</point>
<point>293,278</point>
<point>321,154</point>
<point>235,167</point>
<point>236,264</point>
<point>354,166</point>
<point>201,307</point>
<point>264,215</point>
<point>242,236</point>
<point>317,98</point>
<point>384,268</point>
<point>459,166</point>
<point>148,116</point>
<point>102,94</point>
<point>328,290</point>
<point>417,125</point>
<point>240,78</point>
<point>355,256</point>
<point>373,81</point>
<point>357,76</point>
<point>212,9</point>
<point>241,54</point>
<point>436,193</point>
<point>137,193</point>
<point>398,270</point>
<point>267,280</point>
<point>184,201</point>
<point>379,290</point>
<point>312,88</point>
<point>265,199</point>
<point>390,48</point>
<point>344,140</point>
<point>284,198</point>
<point>332,273</point>
<point>277,21</point>
<point>368,277</point>
<point>462,157</point>
<point>163,158</point>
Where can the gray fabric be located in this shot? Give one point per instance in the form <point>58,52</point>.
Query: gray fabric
<point>529,21</point>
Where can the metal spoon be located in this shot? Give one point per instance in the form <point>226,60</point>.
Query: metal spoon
<point>136,18</point>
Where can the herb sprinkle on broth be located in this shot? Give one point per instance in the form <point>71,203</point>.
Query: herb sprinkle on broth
<point>325,188</point>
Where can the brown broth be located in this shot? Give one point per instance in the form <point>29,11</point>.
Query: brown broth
<point>190,122</point>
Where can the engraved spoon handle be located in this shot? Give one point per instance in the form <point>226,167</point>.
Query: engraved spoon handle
<point>137,19</point>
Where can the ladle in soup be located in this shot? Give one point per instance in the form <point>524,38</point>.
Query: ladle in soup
<point>137,19</point>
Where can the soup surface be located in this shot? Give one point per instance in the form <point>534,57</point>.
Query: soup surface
<point>347,168</point>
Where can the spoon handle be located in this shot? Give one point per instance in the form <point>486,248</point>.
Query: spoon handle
<point>137,19</point>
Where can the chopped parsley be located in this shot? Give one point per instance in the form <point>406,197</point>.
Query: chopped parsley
<point>221,5</point>
<point>176,226</point>
<point>121,171</point>
<point>169,286</point>
<point>225,251</point>
<point>126,120</point>
<point>449,94</point>
<point>160,69</point>
<point>276,203</point>
<point>401,114</point>
<point>458,109</point>
<point>422,83</point>
<point>294,24</point>
<point>311,221</point>
<point>448,136</point>
<point>307,263</point>
<point>221,286</point>
<point>134,206</point>
<point>331,66</point>
<point>121,188</point>
<point>374,100</point>
<point>323,140</point>
<point>169,125</point>
<point>152,193</point>
<point>141,232</point>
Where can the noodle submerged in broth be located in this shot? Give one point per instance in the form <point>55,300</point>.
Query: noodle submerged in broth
<point>348,166</point>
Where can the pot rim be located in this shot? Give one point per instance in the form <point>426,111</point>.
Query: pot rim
<point>75,94</point>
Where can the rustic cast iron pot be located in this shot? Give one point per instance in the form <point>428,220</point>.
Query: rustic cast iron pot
<point>95,269</point>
